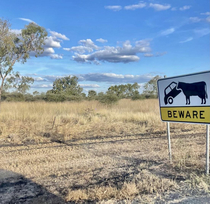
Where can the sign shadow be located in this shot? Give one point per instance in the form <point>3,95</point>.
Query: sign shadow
<point>15,188</point>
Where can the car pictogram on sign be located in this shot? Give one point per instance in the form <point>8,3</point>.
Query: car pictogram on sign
<point>171,92</point>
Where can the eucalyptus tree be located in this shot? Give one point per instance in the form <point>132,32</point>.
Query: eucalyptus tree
<point>92,95</point>
<point>124,90</point>
<point>65,88</point>
<point>17,47</point>
<point>150,88</point>
<point>20,83</point>
<point>67,85</point>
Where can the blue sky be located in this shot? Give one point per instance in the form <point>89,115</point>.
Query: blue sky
<point>114,41</point>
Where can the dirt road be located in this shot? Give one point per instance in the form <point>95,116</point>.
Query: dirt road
<point>57,172</point>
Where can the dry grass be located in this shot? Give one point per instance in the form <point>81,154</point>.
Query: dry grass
<point>143,183</point>
<point>35,122</point>
<point>28,121</point>
<point>89,152</point>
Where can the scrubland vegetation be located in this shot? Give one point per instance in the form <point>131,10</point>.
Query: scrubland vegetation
<point>73,120</point>
<point>89,151</point>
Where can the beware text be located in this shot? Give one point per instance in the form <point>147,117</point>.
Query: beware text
<point>186,114</point>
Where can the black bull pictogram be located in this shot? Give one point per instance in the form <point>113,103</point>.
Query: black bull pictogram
<point>194,89</point>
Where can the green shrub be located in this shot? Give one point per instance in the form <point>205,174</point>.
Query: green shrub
<point>108,99</point>
<point>14,96</point>
<point>51,97</point>
<point>73,98</point>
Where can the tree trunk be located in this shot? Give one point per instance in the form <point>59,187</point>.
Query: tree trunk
<point>1,88</point>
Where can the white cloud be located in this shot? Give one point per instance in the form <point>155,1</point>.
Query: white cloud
<point>48,52</point>
<point>112,75</point>
<point>52,42</point>
<point>58,35</point>
<point>56,56</point>
<point>187,40</point>
<point>114,8</point>
<point>79,49</point>
<point>158,54</point>
<point>195,19</point>
<point>101,40</point>
<point>87,46</point>
<point>167,32</point>
<point>135,6</point>
<point>206,13</point>
<point>114,78</point>
<point>202,32</point>
<point>126,53</point>
<point>27,20</point>
<point>148,55</point>
<point>106,56</point>
<point>174,9</point>
<point>15,31</point>
<point>88,43</point>
<point>89,85</point>
<point>39,79</point>
<point>42,86</point>
<point>183,8</point>
<point>160,7</point>
<point>51,77</point>
<point>129,76</point>
<point>67,49</point>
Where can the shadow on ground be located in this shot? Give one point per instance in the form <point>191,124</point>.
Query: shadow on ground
<point>16,189</point>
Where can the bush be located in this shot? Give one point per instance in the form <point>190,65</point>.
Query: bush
<point>51,97</point>
<point>40,97</point>
<point>148,96</point>
<point>108,99</point>
<point>29,97</point>
<point>137,97</point>
<point>14,96</point>
<point>73,98</point>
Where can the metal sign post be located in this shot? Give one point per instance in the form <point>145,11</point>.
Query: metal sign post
<point>207,149</point>
<point>169,142</point>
